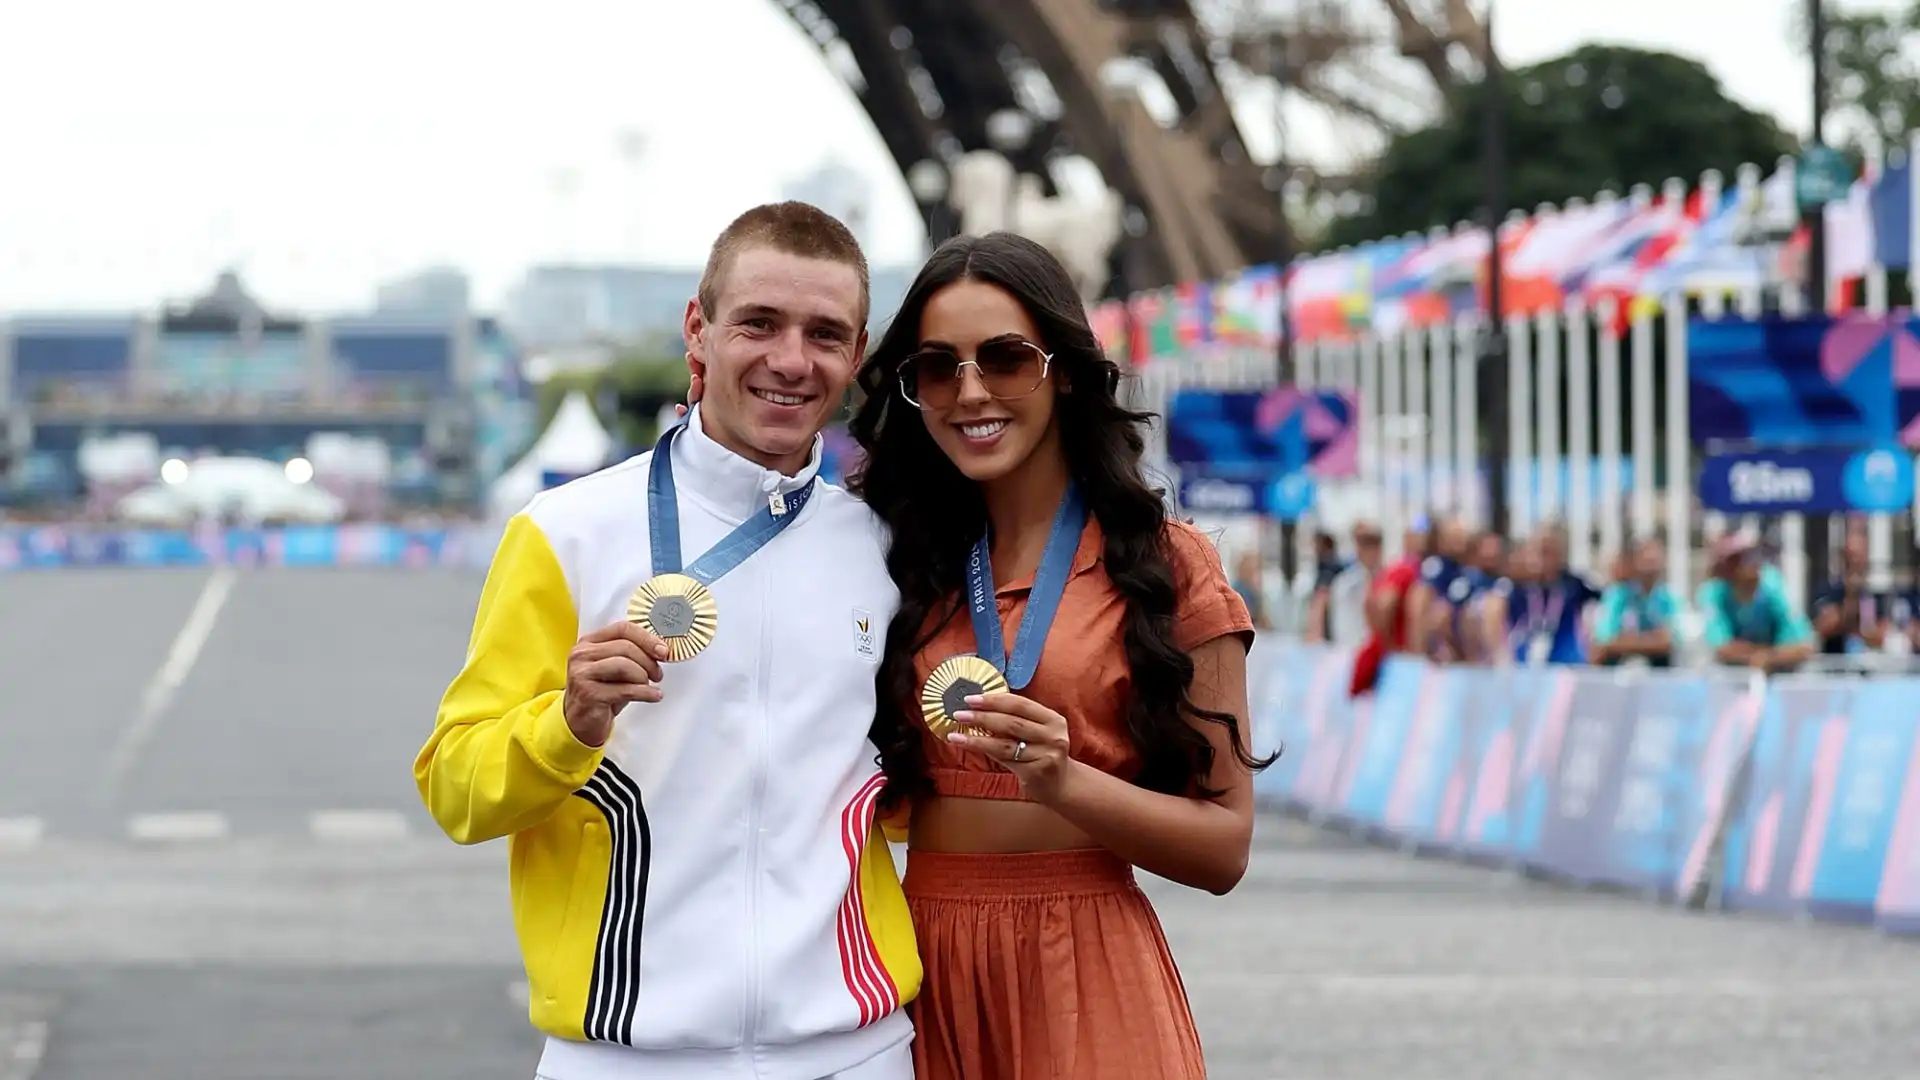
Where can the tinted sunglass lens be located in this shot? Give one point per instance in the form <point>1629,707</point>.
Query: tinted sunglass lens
<point>1010,368</point>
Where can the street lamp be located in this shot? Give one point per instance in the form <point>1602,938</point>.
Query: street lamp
<point>927,179</point>
<point>1491,359</point>
<point>1008,132</point>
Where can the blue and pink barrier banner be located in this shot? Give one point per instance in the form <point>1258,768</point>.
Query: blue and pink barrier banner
<point>1796,795</point>
<point>51,547</point>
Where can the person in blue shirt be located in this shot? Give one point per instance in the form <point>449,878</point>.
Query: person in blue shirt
<point>1750,620</point>
<point>1637,611</point>
<point>1466,595</point>
<point>1542,605</point>
<point>1429,609</point>
<point>1849,616</point>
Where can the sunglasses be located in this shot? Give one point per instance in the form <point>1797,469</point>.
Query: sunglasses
<point>1007,370</point>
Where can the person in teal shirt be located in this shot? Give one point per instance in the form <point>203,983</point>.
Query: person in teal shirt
<point>1750,619</point>
<point>1637,612</point>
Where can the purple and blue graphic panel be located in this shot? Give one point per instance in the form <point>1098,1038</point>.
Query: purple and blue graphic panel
<point>1850,380</point>
<point>1852,822</point>
<point>1771,851</point>
<point>1280,432</point>
<point>1799,795</point>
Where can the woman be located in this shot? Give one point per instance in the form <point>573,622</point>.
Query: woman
<point>990,415</point>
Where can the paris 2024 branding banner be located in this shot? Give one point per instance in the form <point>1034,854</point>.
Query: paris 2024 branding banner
<point>1798,796</point>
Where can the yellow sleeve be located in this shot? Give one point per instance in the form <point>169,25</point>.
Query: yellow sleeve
<point>501,758</point>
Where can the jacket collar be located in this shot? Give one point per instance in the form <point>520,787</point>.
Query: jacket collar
<point>723,481</point>
<point>1088,554</point>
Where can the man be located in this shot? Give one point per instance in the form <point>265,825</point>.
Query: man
<point>1429,603</point>
<point>1247,581</point>
<point>1556,610</point>
<point>1637,612</point>
<point>1750,621</point>
<point>1466,595</point>
<point>700,889</point>
<point>1327,566</point>
<point>1850,617</point>
<point>1347,594</point>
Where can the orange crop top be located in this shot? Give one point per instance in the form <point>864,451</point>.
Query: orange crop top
<point>1083,673</point>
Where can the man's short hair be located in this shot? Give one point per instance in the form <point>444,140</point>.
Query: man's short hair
<point>795,228</point>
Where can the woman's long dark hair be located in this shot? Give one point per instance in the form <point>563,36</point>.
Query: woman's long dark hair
<point>936,513</point>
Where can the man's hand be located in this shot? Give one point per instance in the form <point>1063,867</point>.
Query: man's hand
<point>609,669</point>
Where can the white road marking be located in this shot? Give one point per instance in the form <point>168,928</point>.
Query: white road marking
<point>353,825</point>
<point>166,682</point>
<point>21,832</point>
<point>177,827</point>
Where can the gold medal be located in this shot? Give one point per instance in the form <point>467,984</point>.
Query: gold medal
<point>679,610</point>
<point>951,684</point>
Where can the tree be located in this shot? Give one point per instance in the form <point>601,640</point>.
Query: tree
<point>1873,72</point>
<point>1601,117</point>
<point>628,393</point>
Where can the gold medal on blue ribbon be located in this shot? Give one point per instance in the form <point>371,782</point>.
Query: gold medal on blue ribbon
<point>679,611</point>
<point>997,672</point>
<point>676,604</point>
<point>951,684</point>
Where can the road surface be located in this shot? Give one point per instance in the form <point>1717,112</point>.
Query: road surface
<point>213,866</point>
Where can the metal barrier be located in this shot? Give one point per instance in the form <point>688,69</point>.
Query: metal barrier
<point>1714,787</point>
<point>52,547</point>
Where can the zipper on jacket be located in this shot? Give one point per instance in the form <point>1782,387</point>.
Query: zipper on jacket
<point>762,676</point>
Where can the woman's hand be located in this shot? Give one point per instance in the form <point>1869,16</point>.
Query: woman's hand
<point>696,386</point>
<point>1025,737</point>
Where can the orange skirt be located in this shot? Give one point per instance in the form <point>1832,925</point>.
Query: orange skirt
<point>1044,966</point>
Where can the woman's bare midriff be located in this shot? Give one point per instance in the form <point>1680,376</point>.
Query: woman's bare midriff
<point>992,827</point>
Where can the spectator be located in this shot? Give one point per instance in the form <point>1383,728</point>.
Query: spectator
<point>1637,611</point>
<point>1347,595</point>
<point>1389,615</point>
<point>1247,575</point>
<point>1850,618</point>
<point>1502,610</point>
<point>1486,563</point>
<point>1541,608</point>
<point>1750,620</point>
<point>1327,565</point>
<point>1430,610</point>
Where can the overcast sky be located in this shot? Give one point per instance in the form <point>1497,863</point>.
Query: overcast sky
<point>328,146</point>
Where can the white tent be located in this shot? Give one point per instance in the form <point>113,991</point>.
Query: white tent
<point>574,443</point>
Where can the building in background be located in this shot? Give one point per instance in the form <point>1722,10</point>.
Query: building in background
<point>840,190</point>
<point>567,304</point>
<point>442,291</point>
<point>437,403</point>
<point>560,307</point>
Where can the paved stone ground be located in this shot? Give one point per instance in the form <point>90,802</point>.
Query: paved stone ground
<point>271,949</point>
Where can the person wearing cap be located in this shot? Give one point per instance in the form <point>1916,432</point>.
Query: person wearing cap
<point>1750,619</point>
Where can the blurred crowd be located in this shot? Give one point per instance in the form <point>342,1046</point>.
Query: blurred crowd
<point>1460,596</point>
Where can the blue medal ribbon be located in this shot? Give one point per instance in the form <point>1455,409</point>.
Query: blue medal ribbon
<point>1049,585</point>
<point>663,522</point>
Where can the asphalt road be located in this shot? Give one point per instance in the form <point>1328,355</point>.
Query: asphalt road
<point>213,867</point>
